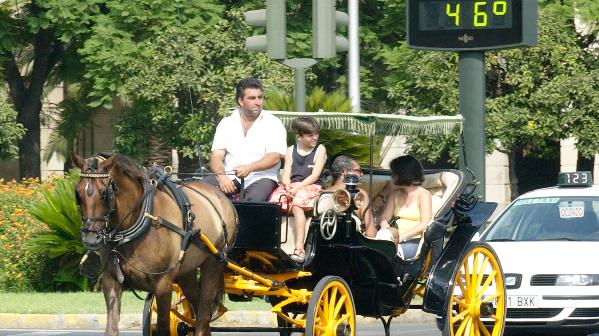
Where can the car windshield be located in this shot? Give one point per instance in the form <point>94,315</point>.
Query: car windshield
<point>547,218</point>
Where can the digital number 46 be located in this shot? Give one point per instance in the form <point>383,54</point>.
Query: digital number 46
<point>479,18</point>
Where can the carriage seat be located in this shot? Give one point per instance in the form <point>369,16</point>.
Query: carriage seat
<point>443,187</point>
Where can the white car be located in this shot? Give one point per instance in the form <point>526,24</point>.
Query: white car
<point>548,243</point>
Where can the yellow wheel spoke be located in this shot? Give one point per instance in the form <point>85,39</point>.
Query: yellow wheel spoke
<point>462,326</point>
<point>491,297</point>
<point>331,304</point>
<point>461,283</point>
<point>487,283</point>
<point>342,319</point>
<point>459,316</point>
<point>338,306</point>
<point>319,330</point>
<point>476,331</point>
<point>320,314</point>
<point>475,270</point>
<point>462,303</point>
<point>482,327</point>
<point>483,270</point>
<point>466,273</point>
<point>325,303</point>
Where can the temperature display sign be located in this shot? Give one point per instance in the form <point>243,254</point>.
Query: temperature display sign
<point>471,24</point>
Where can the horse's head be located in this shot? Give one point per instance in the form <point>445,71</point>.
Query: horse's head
<point>95,193</point>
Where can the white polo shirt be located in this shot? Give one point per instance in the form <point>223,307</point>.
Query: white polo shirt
<point>266,135</point>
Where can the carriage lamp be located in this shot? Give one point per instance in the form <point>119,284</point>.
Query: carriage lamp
<point>577,280</point>
<point>341,200</point>
<point>359,199</point>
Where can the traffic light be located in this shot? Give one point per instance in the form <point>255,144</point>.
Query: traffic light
<point>325,20</point>
<point>274,18</point>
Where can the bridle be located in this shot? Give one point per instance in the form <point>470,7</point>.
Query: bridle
<point>108,196</point>
<point>115,236</point>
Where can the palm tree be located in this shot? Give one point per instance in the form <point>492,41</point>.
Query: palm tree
<point>62,241</point>
<point>336,142</point>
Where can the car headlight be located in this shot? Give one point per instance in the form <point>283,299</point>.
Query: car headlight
<point>341,200</point>
<point>577,280</point>
<point>512,281</point>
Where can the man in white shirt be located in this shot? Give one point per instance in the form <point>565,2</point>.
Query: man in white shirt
<point>248,145</point>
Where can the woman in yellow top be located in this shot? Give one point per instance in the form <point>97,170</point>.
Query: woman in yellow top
<point>409,206</point>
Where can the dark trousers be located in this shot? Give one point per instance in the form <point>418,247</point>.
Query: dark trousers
<point>258,191</point>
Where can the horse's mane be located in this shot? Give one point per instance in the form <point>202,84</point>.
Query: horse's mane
<point>127,166</point>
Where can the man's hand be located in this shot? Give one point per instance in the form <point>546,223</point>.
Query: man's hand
<point>226,184</point>
<point>243,171</point>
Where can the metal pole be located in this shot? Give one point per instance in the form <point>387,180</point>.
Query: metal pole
<point>354,55</point>
<point>300,65</point>
<point>300,89</point>
<point>371,161</point>
<point>472,107</point>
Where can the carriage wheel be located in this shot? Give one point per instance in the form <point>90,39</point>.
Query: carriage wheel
<point>477,301</point>
<point>331,311</point>
<point>181,317</point>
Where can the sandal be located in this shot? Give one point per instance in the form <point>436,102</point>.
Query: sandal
<point>298,256</point>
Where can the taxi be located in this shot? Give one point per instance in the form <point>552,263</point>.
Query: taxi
<point>548,243</point>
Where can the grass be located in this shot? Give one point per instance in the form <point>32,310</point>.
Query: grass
<point>89,303</point>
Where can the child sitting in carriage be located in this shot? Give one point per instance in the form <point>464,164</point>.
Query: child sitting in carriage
<point>301,181</point>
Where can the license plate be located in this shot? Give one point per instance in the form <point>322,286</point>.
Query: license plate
<point>522,301</point>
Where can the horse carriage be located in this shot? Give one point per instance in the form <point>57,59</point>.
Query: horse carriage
<point>344,273</point>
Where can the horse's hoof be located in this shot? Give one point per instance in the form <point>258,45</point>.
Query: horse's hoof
<point>219,312</point>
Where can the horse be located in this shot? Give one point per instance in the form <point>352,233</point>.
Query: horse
<point>142,235</point>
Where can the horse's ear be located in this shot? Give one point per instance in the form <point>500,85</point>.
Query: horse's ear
<point>108,164</point>
<point>77,160</point>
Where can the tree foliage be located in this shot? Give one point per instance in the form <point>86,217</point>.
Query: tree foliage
<point>180,79</point>
<point>535,96</point>
<point>10,130</point>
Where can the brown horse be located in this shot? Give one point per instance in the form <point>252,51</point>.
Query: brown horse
<point>124,218</point>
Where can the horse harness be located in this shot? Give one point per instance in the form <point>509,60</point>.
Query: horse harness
<point>145,219</point>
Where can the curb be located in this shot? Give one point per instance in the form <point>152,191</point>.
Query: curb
<point>133,321</point>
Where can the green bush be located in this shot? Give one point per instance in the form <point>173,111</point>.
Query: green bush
<point>20,268</point>
<point>62,240</point>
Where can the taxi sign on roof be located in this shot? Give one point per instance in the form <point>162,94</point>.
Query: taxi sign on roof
<point>575,179</point>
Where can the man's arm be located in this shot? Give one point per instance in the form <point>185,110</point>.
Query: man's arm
<point>217,166</point>
<point>269,160</point>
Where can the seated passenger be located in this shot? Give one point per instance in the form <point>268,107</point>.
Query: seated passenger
<point>409,206</point>
<point>342,166</point>
<point>301,182</point>
<point>248,143</point>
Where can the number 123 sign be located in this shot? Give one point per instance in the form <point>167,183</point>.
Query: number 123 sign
<point>471,24</point>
